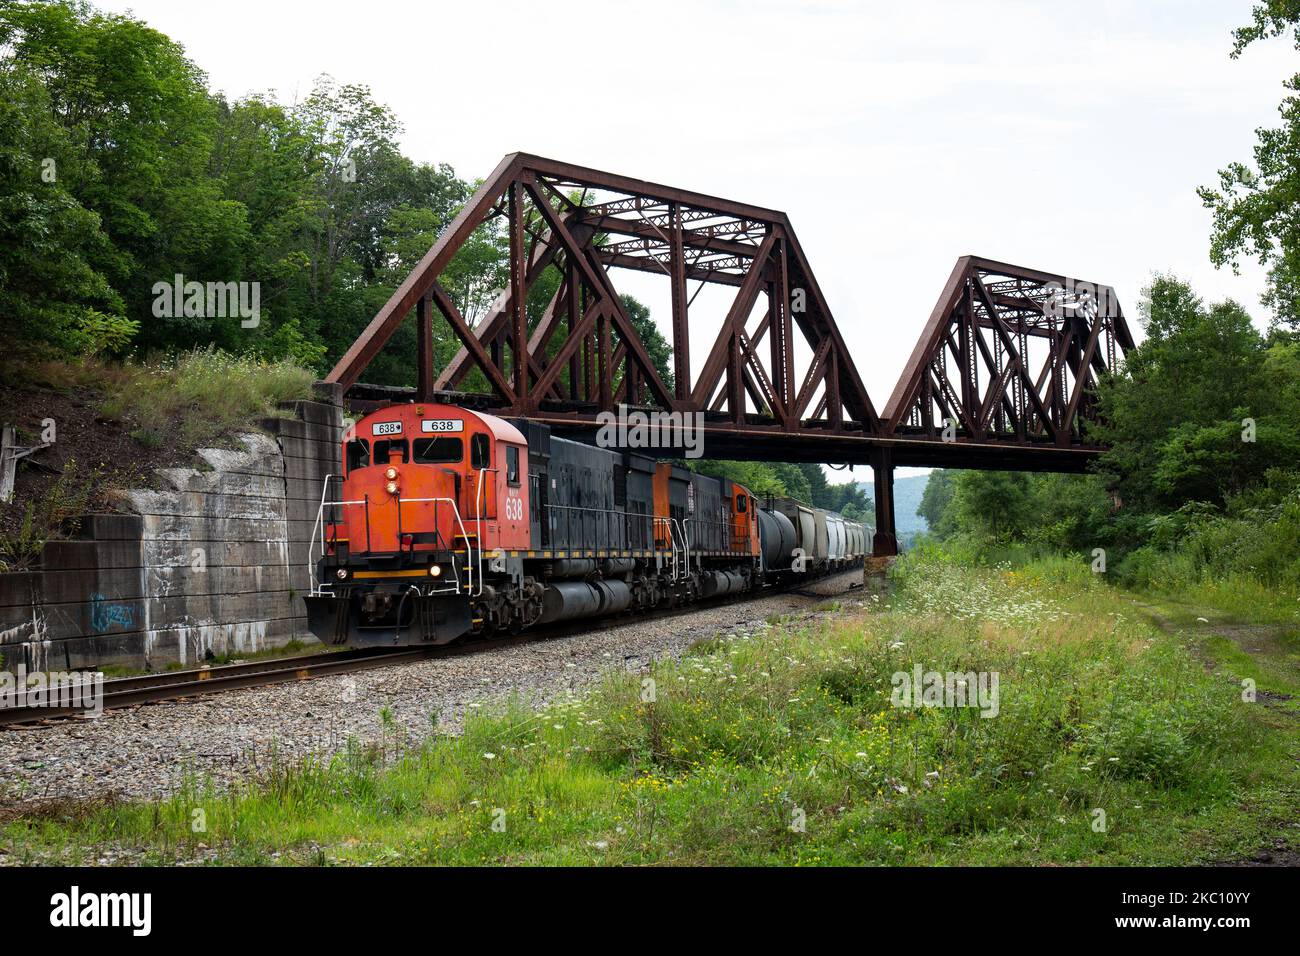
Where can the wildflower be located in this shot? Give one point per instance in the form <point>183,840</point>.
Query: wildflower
<point>489,756</point>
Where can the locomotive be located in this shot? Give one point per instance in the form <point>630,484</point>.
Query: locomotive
<point>448,521</point>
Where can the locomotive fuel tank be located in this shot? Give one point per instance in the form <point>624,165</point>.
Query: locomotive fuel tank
<point>719,583</point>
<point>574,599</point>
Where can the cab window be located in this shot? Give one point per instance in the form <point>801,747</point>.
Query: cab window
<point>740,503</point>
<point>383,449</point>
<point>512,465</point>
<point>437,451</point>
<point>480,452</point>
<point>358,454</point>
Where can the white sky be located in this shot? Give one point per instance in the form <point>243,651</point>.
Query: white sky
<point>1066,136</point>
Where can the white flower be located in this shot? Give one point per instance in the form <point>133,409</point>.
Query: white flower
<point>489,756</point>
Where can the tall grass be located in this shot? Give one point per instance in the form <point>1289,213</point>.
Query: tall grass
<point>782,746</point>
<point>1246,563</point>
<point>204,394</point>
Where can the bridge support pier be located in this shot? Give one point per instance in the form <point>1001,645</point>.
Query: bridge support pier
<point>885,543</point>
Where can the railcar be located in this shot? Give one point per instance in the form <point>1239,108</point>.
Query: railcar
<point>447,522</point>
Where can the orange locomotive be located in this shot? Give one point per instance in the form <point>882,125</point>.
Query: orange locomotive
<point>448,521</point>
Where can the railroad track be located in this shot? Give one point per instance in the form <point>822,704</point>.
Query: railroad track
<point>123,692</point>
<point>173,685</point>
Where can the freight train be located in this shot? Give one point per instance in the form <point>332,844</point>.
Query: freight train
<point>447,522</point>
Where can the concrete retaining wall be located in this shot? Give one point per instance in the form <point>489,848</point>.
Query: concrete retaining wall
<point>213,563</point>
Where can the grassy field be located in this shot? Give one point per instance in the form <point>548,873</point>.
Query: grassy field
<point>1116,741</point>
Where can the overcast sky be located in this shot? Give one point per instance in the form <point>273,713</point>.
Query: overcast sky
<point>1067,136</point>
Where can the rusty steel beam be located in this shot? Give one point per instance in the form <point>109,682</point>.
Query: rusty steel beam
<point>981,323</point>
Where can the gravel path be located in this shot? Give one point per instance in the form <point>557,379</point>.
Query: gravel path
<point>148,751</point>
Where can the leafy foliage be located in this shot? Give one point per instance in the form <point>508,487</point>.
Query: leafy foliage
<point>120,170</point>
<point>1254,206</point>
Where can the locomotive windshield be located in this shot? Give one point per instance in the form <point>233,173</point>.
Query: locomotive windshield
<point>358,454</point>
<point>384,451</point>
<point>438,451</point>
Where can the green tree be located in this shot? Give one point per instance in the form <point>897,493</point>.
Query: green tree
<point>1254,206</point>
<point>139,115</point>
<point>936,500</point>
<point>996,504</point>
<point>659,348</point>
<point>1192,383</point>
<point>50,244</point>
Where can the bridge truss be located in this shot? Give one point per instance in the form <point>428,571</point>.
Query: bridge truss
<point>1002,376</point>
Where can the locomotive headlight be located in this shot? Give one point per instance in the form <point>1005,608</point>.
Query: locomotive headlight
<point>392,487</point>
<point>390,474</point>
<point>341,574</point>
<point>435,570</point>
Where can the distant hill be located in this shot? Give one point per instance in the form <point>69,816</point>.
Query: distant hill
<point>907,496</point>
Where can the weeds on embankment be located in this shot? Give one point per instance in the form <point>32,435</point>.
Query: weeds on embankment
<point>1112,743</point>
<point>109,424</point>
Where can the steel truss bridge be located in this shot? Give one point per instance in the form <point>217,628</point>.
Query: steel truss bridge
<point>1002,376</point>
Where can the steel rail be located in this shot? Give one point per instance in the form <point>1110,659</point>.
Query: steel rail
<point>148,688</point>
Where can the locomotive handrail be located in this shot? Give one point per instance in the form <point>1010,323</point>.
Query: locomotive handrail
<point>318,587</point>
<point>686,549</point>
<point>676,538</point>
<point>672,541</point>
<point>318,530</point>
<point>627,517</point>
<point>456,513</point>
<point>730,531</point>
<point>478,529</point>
<point>311,545</point>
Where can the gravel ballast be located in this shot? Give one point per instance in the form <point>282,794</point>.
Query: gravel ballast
<point>149,751</point>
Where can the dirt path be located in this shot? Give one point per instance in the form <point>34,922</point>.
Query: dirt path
<point>1269,655</point>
